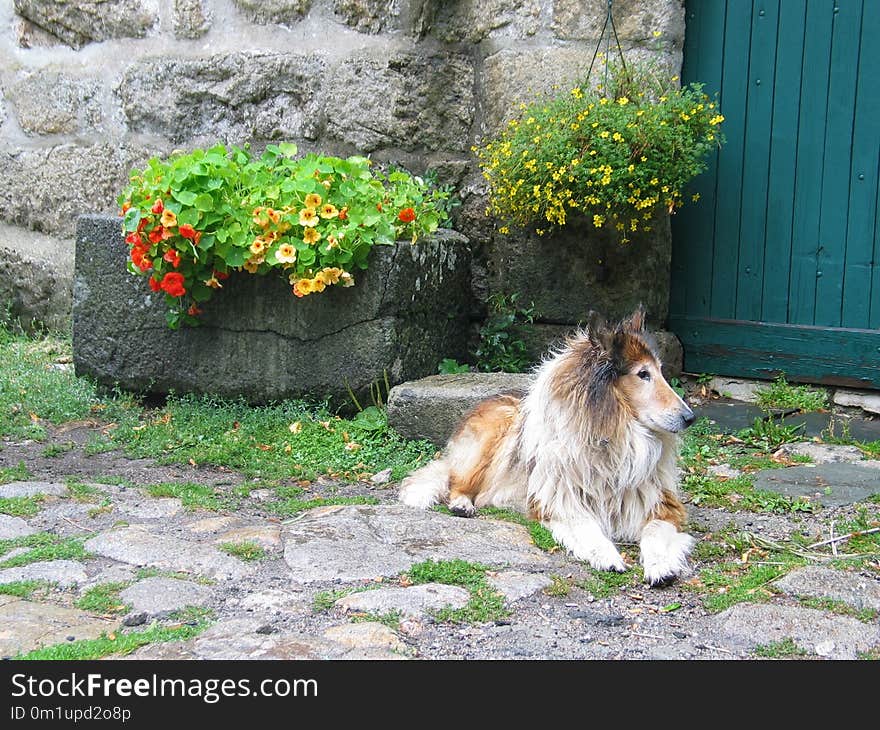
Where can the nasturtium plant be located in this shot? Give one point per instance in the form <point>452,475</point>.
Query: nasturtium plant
<point>194,218</point>
<point>617,154</point>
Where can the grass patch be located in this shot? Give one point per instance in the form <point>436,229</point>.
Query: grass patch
<point>865,615</point>
<point>486,604</point>
<point>605,583</point>
<point>292,505</point>
<point>192,496</point>
<point>391,619</point>
<point>53,450</point>
<point>81,491</point>
<point>17,473</point>
<point>247,551</point>
<point>20,506</point>
<point>541,536</point>
<point>176,575</point>
<point>559,587</point>
<point>103,599</point>
<point>325,600</point>
<point>782,394</point>
<point>23,588</point>
<point>43,546</point>
<point>739,494</point>
<point>193,615</point>
<point>278,441</point>
<point>114,643</point>
<point>784,649</point>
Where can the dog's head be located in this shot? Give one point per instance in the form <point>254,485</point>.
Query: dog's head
<point>625,366</point>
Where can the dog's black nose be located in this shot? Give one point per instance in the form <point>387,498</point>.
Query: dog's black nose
<point>688,417</point>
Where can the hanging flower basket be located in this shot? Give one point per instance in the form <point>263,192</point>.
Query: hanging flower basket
<point>617,154</point>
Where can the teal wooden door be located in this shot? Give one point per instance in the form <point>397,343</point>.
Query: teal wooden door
<point>777,268</point>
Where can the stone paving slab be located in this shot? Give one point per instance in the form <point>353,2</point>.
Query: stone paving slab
<point>266,536</point>
<point>12,527</point>
<point>150,508</point>
<point>515,584</point>
<point>63,572</point>
<point>823,634</point>
<point>33,489</point>
<point>831,485</point>
<point>829,453</point>
<point>365,541</point>
<point>817,582</point>
<point>25,625</point>
<point>160,596</point>
<point>412,601</point>
<point>138,546</point>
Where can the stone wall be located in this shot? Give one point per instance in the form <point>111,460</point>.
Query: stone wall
<point>91,88</point>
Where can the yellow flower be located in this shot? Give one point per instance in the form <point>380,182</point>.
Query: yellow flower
<point>168,219</point>
<point>313,200</point>
<point>286,254</point>
<point>258,246</point>
<point>308,217</point>
<point>251,265</point>
<point>717,119</point>
<point>330,275</point>
<point>332,243</point>
<point>603,101</point>
<point>213,283</point>
<point>328,211</point>
<point>310,236</point>
<point>274,215</point>
<point>695,197</point>
<point>657,34</point>
<point>302,287</point>
<point>604,134</point>
<point>295,427</point>
<point>577,93</point>
<point>623,101</point>
<point>617,137</point>
<point>598,221</point>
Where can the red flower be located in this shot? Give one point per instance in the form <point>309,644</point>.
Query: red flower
<point>139,258</point>
<point>133,239</point>
<point>407,215</point>
<point>187,231</point>
<point>157,206</point>
<point>142,224</point>
<point>220,275</point>
<point>172,257</point>
<point>193,311</point>
<point>379,207</point>
<point>154,284</point>
<point>172,283</point>
<point>156,235</point>
<point>343,214</point>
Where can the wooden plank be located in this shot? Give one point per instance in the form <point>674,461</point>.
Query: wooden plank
<point>693,225</point>
<point>806,353</point>
<point>838,162</point>
<point>810,160</point>
<point>862,211</point>
<point>783,158</point>
<point>756,160</point>
<point>874,321</point>
<point>734,91</point>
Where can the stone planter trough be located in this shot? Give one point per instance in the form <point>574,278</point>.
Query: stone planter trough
<point>407,311</point>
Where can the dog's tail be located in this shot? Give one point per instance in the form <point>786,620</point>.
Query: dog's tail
<point>426,486</point>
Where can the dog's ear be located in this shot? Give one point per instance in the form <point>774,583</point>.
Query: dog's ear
<point>599,333</point>
<point>635,322</point>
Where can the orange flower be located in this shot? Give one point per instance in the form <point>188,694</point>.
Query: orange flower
<point>158,207</point>
<point>313,200</point>
<point>258,246</point>
<point>168,219</point>
<point>286,254</point>
<point>187,231</point>
<point>274,215</point>
<point>251,265</point>
<point>343,214</point>
<point>308,217</point>
<point>407,215</point>
<point>213,283</point>
<point>310,236</point>
<point>194,311</point>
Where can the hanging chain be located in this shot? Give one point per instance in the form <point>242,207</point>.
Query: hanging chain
<point>609,20</point>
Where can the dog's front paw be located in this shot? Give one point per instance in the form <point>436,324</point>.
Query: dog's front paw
<point>462,506</point>
<point>608,560</point>
<point>664,554</point>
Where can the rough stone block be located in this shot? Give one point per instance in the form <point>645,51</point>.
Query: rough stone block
<point>409,101</point>
<point>36,279</point>
<point>282,12</point>
<point>52,102</point>
<point>237,97</point>
<point>579,269</point>
<point>367,16</point>
<point>191,18</point>
<point>635,20</point>
<point>472,21</point>
<point>405,313</point>
<point>78,22</point>
<point>431,408</point>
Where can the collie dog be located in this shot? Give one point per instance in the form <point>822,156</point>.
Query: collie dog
<point>589,451</point>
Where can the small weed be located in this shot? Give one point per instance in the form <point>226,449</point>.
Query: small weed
<point>448,366</point>
<point>486,604</point>
<point>114,643</point>
<point>769,434</point>
<point>559,587</point>
<point>53,450</point>
<point>325,600</point>
<point>865,615</point>
<point>106,507</point>
<point>391,619</point>
<point>192,615</point>
<point>780,649</point>
<point>43,546</point>
<point>247,551</point>
<point>103,599</point>
<point>501,346</point>
<point>192,496</point>
<point>17,473</point>
<point>20,506</point>
<point>602,584</point>
<point>727,584</point>
<point>675,384</point>
<point>176,575</point>
<point>781,394</point>
<point>739,494</point>
<point>81,491</point>
<point>23,588</point>
<point>704,378</point>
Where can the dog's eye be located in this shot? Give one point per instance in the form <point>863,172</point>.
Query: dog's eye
<point>644,375</point>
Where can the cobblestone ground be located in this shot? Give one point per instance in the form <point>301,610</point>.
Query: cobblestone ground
<point>99,556</point>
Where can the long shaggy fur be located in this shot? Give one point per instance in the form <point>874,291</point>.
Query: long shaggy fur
<point>589,451</point>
